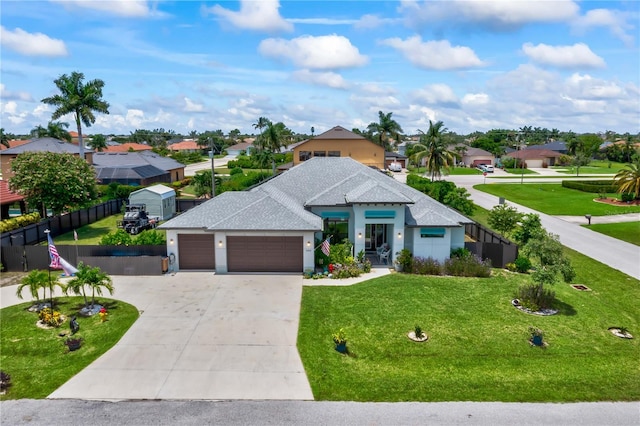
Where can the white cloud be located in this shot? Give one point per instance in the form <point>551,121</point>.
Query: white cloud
<point>260,15</point>
<point>328,79</point>
<point>587,87</point>
<point>31,44</point>
<point>372,21</point>
<point>437,94</point>
<point>494,14</point>
<point>434,55</point>
<point>191,106</point>
<point>615,20</point>
<point>10,95</point>
<point>10,107</point>
<point>123,8</point>
<point>577,56</point>
<point>475,99</point>
<point>322,52</point>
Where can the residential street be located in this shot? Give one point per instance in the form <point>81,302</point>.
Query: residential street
<point>191,169</point>
<point>618,254</point>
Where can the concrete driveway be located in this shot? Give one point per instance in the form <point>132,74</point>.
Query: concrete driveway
<point>202,336</point>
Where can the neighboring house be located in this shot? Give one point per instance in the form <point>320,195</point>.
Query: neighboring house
<point>557,146</point>
<point>160,200</point>
<point>39,145</point>
<point>136,168</point>
<point>13,143</point>
<point>238,148</point>
<point>127,147</point>
<point>340,142</point>
<point>473,157</point>
<point>8,199</point>
<point>536,158</point>
<point>394,157</point>
<point>185,146</point>
<point>275,226</point>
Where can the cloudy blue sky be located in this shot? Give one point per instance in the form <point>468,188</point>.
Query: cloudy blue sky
<point>206,65</point>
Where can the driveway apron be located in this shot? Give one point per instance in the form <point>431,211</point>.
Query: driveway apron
<point>202,336</point>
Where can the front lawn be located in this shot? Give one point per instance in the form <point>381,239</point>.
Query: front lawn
<point>520,171</point>
<point>554,199</point>
<point>478,346</point>
<point>38,361</point>
<point>625,231</point>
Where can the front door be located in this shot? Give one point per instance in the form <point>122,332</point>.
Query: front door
<point>376,235</point>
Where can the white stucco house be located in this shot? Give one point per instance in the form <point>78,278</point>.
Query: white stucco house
<point>274,227</point>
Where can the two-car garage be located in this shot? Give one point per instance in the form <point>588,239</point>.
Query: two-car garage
<point>243,253</point>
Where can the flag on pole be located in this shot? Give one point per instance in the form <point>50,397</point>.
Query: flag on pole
<point>326,247</point>
<point>53,254</point>
<point>75,235</point>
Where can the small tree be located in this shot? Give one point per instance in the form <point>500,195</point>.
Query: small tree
<point>504,218</point>
<point>459,200</point>
<point>36,280</point>
<point>117,238</point>
<point>530,225</point>
<point>91,277</point>
<point>627,180</point>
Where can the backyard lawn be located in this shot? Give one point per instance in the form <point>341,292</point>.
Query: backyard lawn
<point>478,347</point>
<point>553,199</point>
<point>92,234</point>
<point>625,231</point>
<point>38,361</point>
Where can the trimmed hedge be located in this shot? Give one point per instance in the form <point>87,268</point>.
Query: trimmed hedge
<point>595,186</point>
<point>19,221</point>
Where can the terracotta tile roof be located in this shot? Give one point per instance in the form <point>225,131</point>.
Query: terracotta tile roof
<point>13,143</point>
<point>6,196</point>
<point>184,145</point>
<point>124,147</point>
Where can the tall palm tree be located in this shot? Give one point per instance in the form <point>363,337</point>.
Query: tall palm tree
<point>261,123</point>
<point>386,128</point>
<point>39,132</point>
<point>627,180</point>
<point>98,142</point>
<point>435,148</point>
<point>57,130</point>
<point>79,99</point>
<point>271,140</point>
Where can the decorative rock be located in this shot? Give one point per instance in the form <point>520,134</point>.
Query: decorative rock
<point>542,312</point>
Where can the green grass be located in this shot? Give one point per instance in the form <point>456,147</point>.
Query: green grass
<point>596,167</point>
<point>91,234</point>
<point>625,231</point>
<point>38,361</point>
<point>477,348</point>
<point>520,171</point>
<point>451,171</point>
<point>553,199</point>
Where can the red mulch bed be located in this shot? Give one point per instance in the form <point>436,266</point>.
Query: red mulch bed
<point>616,202</point>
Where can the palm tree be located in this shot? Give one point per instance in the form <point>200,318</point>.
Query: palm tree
<point>434,146</point>
<point>57,130</point>
<point>78,99</point>
<point>36,280</point>
<point>93,278</point>
<point>386,128</point>
<point>271,140</point>
<point>39,132</point>
<point>98,142</point>
<point>627,180</point>
<point>261,123</point>
<point>201,182</point>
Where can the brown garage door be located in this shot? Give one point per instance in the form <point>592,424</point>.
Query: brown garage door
<point>264,254</point>
<point>196,251</point>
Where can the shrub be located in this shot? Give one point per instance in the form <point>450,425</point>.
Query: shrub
<point>235,171</point>
<point>508,162</point>
<point>49,317</point>
<point>460,252</point>
<point>510,267</point>
<point>347,271</point>
<point>151,237</point>
<point>564,160</point>
<point>341,253</point>
<point>426,266</point>
<point>522,264</point>
<point>627,197</point>
<point>5,381</point>
<point>535,297</point>
<point>595,186</point>
<point>119,237</point>
<point>470,266</point>
<point>19,222</point>
<point>405,260</point>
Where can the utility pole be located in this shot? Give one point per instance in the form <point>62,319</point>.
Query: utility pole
<point>213,179</point>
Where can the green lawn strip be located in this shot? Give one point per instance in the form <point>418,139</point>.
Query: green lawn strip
<point>599,177</point>
<point>520,171</point>
<point>477,348</point>
<point>586,170</point>
<point>625,231</point>
<point>553,199</point>
<point>450,171</point>
<point>38,361</point>
<point>92,234</point>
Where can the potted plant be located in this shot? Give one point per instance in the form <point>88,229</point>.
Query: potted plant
<point>73,343</point>
<point>404,261</point>
<point>340,340</point>
<point>536,336</point>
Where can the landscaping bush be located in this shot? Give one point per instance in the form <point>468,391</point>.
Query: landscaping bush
<point>151,237</point>
<point>460,252</point>
<point>426,266</point>
<point>118,237</point>
<point>535,297</point>
<point>595,186</point>
<point>508,162</point>
<point>235,171</point>
<point>19,222</point>
<point>522,264</point>
<point>627,197</point>
<point>244,162</point>
<point>564,160</point>
<point>347,271</point>
<point>117,191</point>
<point>405,260</point>
<point>468,266</point>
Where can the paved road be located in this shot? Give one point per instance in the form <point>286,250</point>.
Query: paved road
<point>139,413</point>
<point>191,169</point>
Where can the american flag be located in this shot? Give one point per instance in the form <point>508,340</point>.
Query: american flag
<point>53,254</point>
<point>326,247</point>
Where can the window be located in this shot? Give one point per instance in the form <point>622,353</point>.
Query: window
<point>319,153</point>
<point>432,232</point>
<point>336,227</point>
<point>333,154</point>
<point>304,155</point>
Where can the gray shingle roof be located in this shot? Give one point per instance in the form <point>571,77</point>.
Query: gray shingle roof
<point>143,158</point>
<point>44,145</point>
<point>128,172</point>
<point>279,204</point>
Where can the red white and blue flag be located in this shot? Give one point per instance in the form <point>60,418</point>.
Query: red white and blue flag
<point>53,254</point>
<point>326,247</point>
